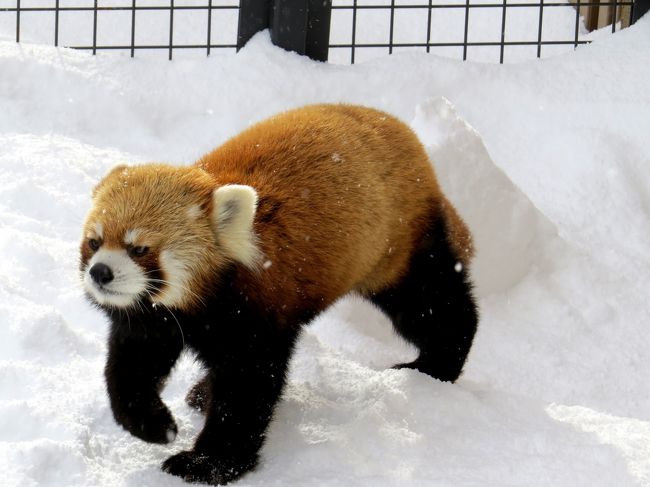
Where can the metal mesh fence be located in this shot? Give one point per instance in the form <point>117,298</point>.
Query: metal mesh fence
<point>486,30</point>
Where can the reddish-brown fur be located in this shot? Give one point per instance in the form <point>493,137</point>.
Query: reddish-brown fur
<point>345,194</point>
<point>155,199</point>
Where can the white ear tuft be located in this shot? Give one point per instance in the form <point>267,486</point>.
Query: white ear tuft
<point>232,217</point>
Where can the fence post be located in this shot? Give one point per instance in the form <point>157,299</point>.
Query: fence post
<point>302,26</point>
<point>289,25</point>
<point>318,29</point>
<point>253,17</point>
<point>639,8</point>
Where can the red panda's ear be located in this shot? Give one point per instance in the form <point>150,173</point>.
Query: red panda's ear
<point>110,173</point>
<point>233,212</point>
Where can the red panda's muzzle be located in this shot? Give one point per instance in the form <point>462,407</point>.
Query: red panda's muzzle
<point>111,278</point>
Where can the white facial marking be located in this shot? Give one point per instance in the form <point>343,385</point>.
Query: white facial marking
<point>177,278</point>
<point>193,212</point>
<point>129,281</point>
<point>99,230</point>
<point>131,236</point>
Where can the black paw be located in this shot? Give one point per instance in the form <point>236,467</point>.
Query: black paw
<point>154,424</point>
<point>192,466</point>
<point>198,396</point>
<point>445,374</point>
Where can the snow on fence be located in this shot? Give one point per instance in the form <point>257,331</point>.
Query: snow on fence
<point>484,30</point>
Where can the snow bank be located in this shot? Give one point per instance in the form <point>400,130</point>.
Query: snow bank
<point>555,189</point>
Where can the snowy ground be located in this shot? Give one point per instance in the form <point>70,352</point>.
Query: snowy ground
<point>553,179</point>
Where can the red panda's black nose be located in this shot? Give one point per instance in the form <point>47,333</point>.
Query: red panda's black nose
<point>101,274</point>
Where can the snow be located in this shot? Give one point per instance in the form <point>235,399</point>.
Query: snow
<point>548,163</point>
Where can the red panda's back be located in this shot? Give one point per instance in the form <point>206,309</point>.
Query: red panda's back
<point>344,193</point>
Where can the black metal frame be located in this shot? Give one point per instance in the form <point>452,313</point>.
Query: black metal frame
<point>639,9</point>
<point>309,24</point>
<point>301,26</point>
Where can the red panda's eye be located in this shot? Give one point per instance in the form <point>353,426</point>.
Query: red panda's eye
<point>94,244</point>
<point>138,251</point>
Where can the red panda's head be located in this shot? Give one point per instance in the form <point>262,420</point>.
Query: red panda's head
<point>161,234</point>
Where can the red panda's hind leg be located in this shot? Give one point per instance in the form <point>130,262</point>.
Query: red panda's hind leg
<point>432,306</point>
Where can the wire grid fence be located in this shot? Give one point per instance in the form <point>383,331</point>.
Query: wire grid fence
<point>478,29</point>
<point>127,25</point>
<point>492,30</point>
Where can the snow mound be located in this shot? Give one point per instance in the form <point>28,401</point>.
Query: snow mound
<point>510,234</point>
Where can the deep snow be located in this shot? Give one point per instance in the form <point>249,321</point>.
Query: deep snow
<point>548,163</point>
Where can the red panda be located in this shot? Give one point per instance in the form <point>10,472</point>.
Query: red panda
<point>231,256</point>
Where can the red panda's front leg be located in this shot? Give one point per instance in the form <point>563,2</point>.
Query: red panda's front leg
<point>140,356</point>
<point>244,388</point>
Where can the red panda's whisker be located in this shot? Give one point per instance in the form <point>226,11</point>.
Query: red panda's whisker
<point>171,313</point>
<point>177,323</point>
<point>178,286</point>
